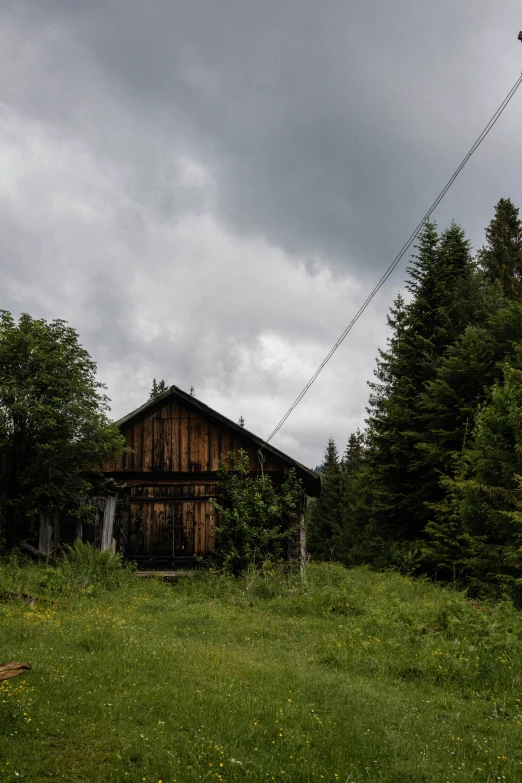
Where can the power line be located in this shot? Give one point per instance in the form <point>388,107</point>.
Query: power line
<point>401,253</point>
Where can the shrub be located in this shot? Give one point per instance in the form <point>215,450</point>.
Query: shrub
<point>86,567</point>
<point>254,516</point>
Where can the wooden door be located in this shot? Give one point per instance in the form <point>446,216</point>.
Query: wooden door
<point>164,529</point>
<point>183,531</point>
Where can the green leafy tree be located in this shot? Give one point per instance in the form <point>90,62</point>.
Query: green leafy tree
<point>254,517</point>
<point>324,524</point>
<point>501,257</point>
<point>158,387</point>
<point>54,429</point>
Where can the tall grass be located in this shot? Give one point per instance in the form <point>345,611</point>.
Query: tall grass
<point>342,676</point>
<point>81,569</point>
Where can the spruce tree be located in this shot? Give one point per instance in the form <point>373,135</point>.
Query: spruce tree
<point>501,257</point>
<point>324,523</point>
<point>490,506</point>
<point>158,387</point>
<point>449,546</point>
<point>351,497</point>
<point>441,281</point>
<point>470,366</point>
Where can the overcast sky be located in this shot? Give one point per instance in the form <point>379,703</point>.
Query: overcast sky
<point>207,191</point>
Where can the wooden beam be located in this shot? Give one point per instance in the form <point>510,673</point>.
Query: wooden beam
<point>108,522</point>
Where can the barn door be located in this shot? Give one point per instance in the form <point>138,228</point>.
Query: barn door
<point>167,529</point>
<point>183,529</point>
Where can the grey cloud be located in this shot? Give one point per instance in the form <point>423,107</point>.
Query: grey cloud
<point>319,119</point>
<point>317,130</point>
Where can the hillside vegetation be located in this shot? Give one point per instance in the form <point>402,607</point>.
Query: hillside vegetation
<point>349,675</point>
<point>433,483</point>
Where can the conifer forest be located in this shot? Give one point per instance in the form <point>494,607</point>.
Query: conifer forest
<point>433,483</point>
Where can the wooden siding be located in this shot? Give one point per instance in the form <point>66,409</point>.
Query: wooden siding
<point>175,439</point>
<point>167,477</point>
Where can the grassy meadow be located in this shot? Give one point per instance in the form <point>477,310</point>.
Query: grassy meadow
<point>347,676</point>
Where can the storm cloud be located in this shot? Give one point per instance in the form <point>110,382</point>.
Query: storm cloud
<point>207,191</point>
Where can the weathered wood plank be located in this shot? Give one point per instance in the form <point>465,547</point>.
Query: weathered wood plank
<point>146,513</point>
<point>107,532</point>
<point>204,445</point>
<point>189,529</point>
<point>184,441</point>
<point>212,528</point>
<point>148,437</point>
<point>137,438</point>
<point>175,439</point>
<point>13,669</point>
<point>213,448</point>
<point>158,444</point>
<point>167,444</point>
<point>194,443</point>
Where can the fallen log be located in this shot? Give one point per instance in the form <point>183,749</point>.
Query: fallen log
<point>13,669</point>
<point>8,594</point>
<point>33,551</point>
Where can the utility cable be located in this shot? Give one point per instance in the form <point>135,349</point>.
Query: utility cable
<point>399,255</point>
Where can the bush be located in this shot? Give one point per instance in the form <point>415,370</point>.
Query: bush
<point>254,516</point>
<point>86,567</point>
<point>82,569</point>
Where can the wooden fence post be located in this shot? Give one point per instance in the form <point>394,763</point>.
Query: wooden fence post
<point>108,522</point>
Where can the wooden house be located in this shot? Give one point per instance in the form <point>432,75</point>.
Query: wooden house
<point>155,505</point>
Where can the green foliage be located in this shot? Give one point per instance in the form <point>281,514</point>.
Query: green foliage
<point>490,497</point>
<point>449,545</point>
<point>351,496</point>
<point>466,373</point>
<point>54,429</point>
<point>324,522</point>
<point>452,372</point>
<point>256,521</point>
<point>158,387</point>
<point>87,567</point>
<point>81,570</point>
<point>441,281</point>
<point>501,257</point>
<point>348,673</point>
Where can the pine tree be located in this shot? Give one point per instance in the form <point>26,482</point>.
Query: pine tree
<point>501,257</point>
<point>351,496</point>
<point>491,502</point>
<point>449,545</point>
<point>325,518</point>
<point>441,281</point>
<point>158,387</point>
<point>470,366</point>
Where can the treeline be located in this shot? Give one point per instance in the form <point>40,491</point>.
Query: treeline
<point>434,482</point>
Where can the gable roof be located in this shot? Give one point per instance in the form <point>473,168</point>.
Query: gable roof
<point>175,392</point>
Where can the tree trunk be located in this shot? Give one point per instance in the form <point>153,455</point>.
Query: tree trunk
<point>45,538</point>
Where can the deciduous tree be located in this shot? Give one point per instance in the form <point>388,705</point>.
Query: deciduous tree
<point>54,427</point>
